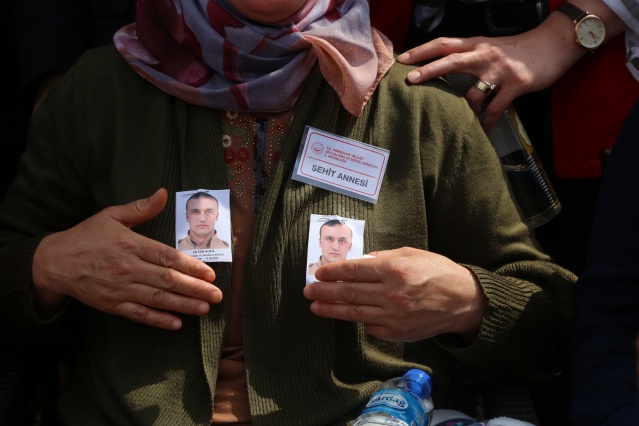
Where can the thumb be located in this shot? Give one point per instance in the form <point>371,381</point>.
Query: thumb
<point>140,211</point>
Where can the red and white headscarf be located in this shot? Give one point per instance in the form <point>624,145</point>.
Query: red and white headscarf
<point>207,53</point>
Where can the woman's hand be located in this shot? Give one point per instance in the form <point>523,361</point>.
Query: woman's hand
<point>102,263</point>
<point>518,64</point>
<point>401,295</point>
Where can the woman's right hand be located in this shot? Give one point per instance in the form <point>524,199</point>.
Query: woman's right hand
<point>103,264</point>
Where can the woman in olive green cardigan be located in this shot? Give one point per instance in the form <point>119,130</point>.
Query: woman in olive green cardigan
<point>469,294</point>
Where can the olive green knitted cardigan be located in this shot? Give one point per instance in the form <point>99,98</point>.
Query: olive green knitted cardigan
<point>105,136</point>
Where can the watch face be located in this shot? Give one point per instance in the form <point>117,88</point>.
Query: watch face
<point>591,32</point>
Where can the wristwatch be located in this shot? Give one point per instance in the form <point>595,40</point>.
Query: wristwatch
<point>590,30</point>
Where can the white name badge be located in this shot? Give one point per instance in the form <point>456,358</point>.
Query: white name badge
<point>340,164</point>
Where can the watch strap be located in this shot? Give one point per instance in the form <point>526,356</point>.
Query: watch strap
<point>573,12</point>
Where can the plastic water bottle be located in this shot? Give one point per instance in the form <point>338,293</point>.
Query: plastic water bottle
<point>530,184</point>
<point>402,401</point>
<point>531,187</point>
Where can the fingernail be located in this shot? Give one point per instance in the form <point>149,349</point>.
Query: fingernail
<point>413,76</point>
<point>403,57</point>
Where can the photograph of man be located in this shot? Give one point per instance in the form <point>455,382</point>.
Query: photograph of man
<point>336,240</point>
<point>202,212</point>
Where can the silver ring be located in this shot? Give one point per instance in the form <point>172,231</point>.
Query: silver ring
<point>485,86</point>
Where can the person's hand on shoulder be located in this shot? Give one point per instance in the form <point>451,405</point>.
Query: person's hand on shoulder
<point>516,65</point>
<point>401,295</point>
<point>102,263</point>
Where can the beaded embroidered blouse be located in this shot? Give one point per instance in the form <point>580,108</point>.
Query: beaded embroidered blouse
<point>252,144</point>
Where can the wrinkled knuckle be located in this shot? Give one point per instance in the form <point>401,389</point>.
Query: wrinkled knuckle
<point>398,267</point>
<point>351,270</point>
<point>137,207</point>
<point>494,51</point>
<point>357,314</point>
<point>184,304</point>
<point>444,42</point>
<point>139,314</point>
<point>156,298</point>
<point>169,279</point>
<point>168,257</point>
<point>456,58</point>
<point>407,251</point>
<point>349,294</point>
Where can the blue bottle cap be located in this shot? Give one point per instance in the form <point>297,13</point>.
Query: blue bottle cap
<point>419,382</point>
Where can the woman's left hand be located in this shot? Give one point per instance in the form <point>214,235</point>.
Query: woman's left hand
<point>401,295</point>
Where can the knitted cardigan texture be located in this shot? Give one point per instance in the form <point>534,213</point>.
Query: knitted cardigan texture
<point>106,137</point>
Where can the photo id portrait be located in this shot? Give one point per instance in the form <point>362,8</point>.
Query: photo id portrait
<point>331,239</point>
<point>203,224</point>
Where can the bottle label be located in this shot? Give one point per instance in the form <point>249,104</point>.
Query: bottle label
<point>399,404</point>
<point>521,132</point>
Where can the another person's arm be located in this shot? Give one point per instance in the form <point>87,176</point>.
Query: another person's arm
<point>518,64</point>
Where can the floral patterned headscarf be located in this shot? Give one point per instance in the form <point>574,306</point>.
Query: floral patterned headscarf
<point>205,52</point>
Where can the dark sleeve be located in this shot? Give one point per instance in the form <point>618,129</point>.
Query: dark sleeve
<point>604,334</point>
